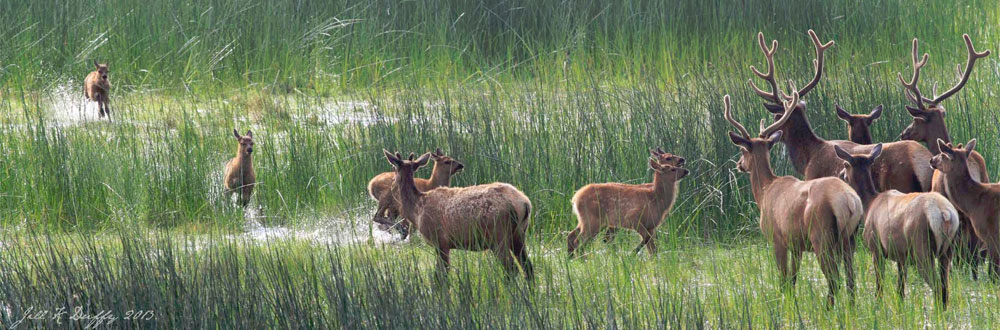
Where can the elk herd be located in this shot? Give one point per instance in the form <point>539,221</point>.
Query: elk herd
<point>919,200</point>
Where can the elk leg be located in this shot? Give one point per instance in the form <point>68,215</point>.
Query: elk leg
<point>781,257</point>
<point>793,267</point>
<point>648,237</point>
<point>573,241</point>
<point>970,252</point>
<point>901,281</point>
<point>924,259</point>
<point>609,235</point>
<point>504,254</point>
<point>944,267</point>
<point>522,256</point>
<point>828,264</point>
<point>879,264</point>
<point>847,248</point>
<point>443,263</point>
<point>579,237</point>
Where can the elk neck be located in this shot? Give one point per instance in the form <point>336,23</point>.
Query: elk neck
<point>405,190</point>
<point>963,188</point>
<point>664,191</point>
<point>864,185</point>
<point>800,140</point>
<point>440,176</point>
<point>761,175</point>
<point>932,138</point>
<point>244,160</point>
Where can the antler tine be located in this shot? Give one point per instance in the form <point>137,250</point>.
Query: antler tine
<point>773,96</point>
<point>969,64</point>
<point>789,105</point>
<point>729,117</point>
<point>913,92</point>
<point>817,63</point>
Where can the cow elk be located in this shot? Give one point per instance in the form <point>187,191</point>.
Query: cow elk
<point>491,216</point>
<point>928,126</point>
<point>979,201</point>
<point>379,188</point>
<point>97,86</point>
<point>820,215</point>
<point>912,228</point>
<point>859,126</point>
<point>814,157</point>
<point>662,157</point>
<point>240,177</point>
<point>641,207</point>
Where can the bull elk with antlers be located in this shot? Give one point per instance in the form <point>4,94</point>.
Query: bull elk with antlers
<point>820,215</point>
<point>928,126</point>
<point>903,165</point>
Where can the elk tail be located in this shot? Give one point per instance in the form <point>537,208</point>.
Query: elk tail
<point>848,212</point>
<point>943,223</point>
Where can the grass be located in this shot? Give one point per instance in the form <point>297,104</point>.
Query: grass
<point>548,96</point>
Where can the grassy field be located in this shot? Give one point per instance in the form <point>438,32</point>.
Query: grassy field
<point>548,96</point>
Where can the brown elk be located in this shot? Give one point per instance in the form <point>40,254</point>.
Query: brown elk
<point>912,228</point>
<point>662,157</point>
<point>240,176</point>
<point>97,86</point>
<point>903,165</point>
<point>379,188</point>
<point>859,126</point>
<point>979,201</point>
<point>928,126</point>
<point>491,216</point>
<point>820,215</point>
<point>639,207</point>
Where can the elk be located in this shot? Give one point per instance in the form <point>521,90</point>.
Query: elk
<point>979,201</point>
<point>912,228</point>
<point>859,126</point>
<point>97,86</point>
<point>928,126</point>
<point>639,207</point>
<point>491,216</point>
<point>903,165</point>
<point>379,188</point>
<point>820,215</point>
<point>239,171</point>
<point>662,157</point>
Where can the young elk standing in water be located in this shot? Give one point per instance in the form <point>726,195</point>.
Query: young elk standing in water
<point>859,126</point>
<point>821,214</point>
<point>97,86</point>
<point>637,207</point>
<point>662,157</point>
<point>379,188</point>
<point>907,228</point>
<point>490,216</point>
<point>979,201</point>
<point>928,126</point>
<point>239,171</point>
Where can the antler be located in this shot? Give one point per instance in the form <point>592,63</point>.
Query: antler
<point>789,105</point>
<point>817,63</point>
<point>969,64</point>
<point>912,91</point>
<point>769,76</point>
<point>729,117</point>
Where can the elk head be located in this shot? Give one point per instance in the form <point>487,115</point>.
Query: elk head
<point>775,99</point>
<point>857,168</point>
<point>666,172</point>
<point>859,126</point>
<point>405,166</point>
<point>667,158</point>
<point>245,142</point>
<point>928,114</point>
<point>102,70</point>
<point>440,159</point>
<point>952,160</point>
<point>756,150</point>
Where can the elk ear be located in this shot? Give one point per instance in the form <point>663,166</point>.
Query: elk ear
<point>423,159</point>
<point>842,114</point>
<point>842,154</point>
<point>392,158</point>
<point>739,140</point>
<point>653,164</point>
<point>774,108</point>
<point>236,134</point>
<point>877,112</point>
<point>98,66</point>
<point>652,152</point>
<point>249,134</point>
<point>944,147</point>
<point>969,147</point>
<point>774,138</point>
<point>877,151</point>
<point>916,113</point>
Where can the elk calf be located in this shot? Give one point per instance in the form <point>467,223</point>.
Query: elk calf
<point>979,201</point>
<point>379,188</point>
<point>97,86</point>
<point>615,205</point>
<point>820,215</point>
<point>907,228</point>
<point>485,217</point>
<point>859,126</point>
<point>239,171</point>
<point>662,157</point>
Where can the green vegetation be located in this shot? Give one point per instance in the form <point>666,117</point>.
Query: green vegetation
<point>546,95</point>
